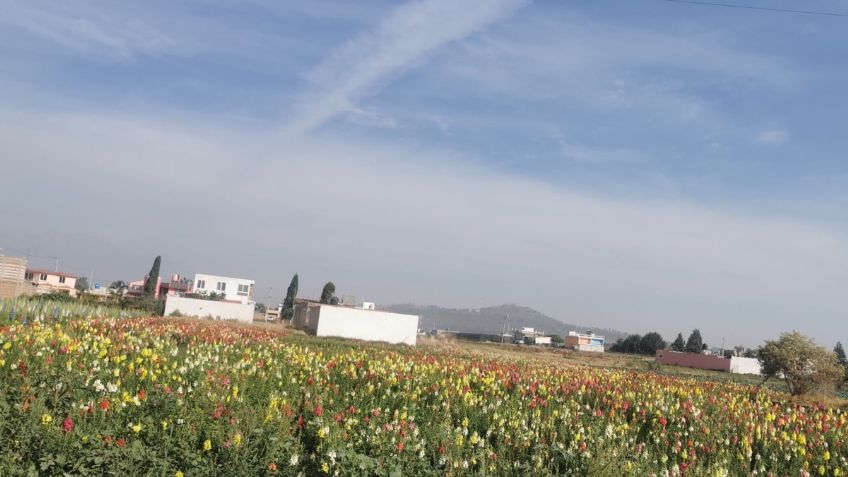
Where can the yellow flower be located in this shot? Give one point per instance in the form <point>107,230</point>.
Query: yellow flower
<point>164,425</point>
<point>237,439</point>
<point>325,468</point>
<point>136,428</point>
<point>46,419</point>
<point>207,445</point>
<point>179,474</point>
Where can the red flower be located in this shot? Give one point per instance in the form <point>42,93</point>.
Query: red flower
<point>121,442</point>
<point>319,410</point>
<point>104,404</point>
<point>142,394</point>
<point>68,424</point>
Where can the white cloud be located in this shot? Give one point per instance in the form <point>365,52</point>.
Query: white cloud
<point>406,35</point>
<point>772,137</point>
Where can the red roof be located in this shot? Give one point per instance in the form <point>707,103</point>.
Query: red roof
<point>50,272</point>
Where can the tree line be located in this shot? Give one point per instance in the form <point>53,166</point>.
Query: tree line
<point>652,342</point>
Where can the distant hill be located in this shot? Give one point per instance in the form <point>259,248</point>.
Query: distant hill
<point>491,320</point>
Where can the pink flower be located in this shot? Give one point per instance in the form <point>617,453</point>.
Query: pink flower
<point>68,424</point>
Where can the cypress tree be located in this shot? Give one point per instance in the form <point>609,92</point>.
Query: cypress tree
<point>695,343</point>
<point>152,278</point>
<point>679,344</point>
<point>288,303</point>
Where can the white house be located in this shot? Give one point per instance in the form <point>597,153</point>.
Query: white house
<point>355,323</point>
<point>234,289</point>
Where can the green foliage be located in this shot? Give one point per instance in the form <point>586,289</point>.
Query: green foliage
<point>288,303</point>
<point>328,293</point>
<point>695,343</point>
<point>82,284</point>
<point>802,364</point>
<point>55,296</point>
<point>152,306</point>
<point>152,278</point>
<point>679,344</point>
<point>556,339</point>
<point>260,308</point>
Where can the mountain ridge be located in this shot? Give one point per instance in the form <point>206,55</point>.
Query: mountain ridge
<point>491,320</point>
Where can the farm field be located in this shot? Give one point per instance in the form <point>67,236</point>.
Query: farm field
<point>154,396</point>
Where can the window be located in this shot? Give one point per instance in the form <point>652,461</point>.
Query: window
<point>201,284</point>
<point>243,290</point>
<point>28,276</point>
<point>222,286</point>
<point>43,276</point>
<point>61,279</point>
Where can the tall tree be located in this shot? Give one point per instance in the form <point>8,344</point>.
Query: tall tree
<point>152,278</point>
<point>840,354</point>
<point>288,303</point>
<point>679,344</point>
<point>328,293</point>
<point>695,343</point>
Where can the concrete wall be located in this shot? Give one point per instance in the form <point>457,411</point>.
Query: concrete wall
<point>221,310</point>
<point>12,283</point>
<point>210,284</point>
<point>742,365</point>
<point>365,325</point>
<point>693,360</point>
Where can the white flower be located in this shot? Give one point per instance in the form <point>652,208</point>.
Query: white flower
<point>293,461</point>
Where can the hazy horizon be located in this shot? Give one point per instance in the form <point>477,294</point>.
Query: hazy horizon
<point>631,165</point>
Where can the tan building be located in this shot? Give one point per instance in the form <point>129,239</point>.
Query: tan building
<point>46,281</point>
<point>12,277</point>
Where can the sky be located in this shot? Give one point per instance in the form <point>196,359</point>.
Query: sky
<point>639,165</point>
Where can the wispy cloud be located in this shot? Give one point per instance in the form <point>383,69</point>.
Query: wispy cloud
<point>404,38</point>
<point>772,137</point>
<point>86,29</point>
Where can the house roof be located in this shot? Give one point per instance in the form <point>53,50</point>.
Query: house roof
<point>50,272</point>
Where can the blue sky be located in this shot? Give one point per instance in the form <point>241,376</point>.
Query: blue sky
<point>640,165</point>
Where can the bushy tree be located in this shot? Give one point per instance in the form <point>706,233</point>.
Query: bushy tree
<point>695,343</point>
<point>679,344</point>
<point>651,343</point>
<point>802,364</point>
<point>288,304</point>
<point>328,293</point>
<point>82,284</point>
<point>260,308</point>
<point>556,339</point>
<point>152,278</point>
<point>116,290</point>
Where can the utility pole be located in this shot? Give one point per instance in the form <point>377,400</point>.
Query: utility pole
<point>57,264</point>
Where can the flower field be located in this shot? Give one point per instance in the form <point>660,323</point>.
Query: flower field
<point>154,396</point>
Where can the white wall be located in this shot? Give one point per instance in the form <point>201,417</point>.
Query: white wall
<point>745,365</point>
<point>216,309</point>
<point>367,325</point>
<point>230,289</point>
